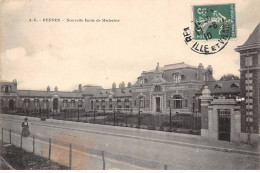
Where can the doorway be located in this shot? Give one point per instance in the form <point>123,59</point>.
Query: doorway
<point>224,124</point>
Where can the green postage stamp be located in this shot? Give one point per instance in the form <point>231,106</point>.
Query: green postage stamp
<point>213,27</point>
<point>214,21</point>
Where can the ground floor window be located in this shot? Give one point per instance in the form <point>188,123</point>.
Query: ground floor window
<point>177,101</point>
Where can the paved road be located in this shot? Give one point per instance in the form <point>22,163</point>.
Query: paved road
<point>127,152</point>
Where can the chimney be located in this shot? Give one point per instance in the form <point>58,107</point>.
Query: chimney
<point>56,88</point>
<point>15,84</point>
<point>80,88</point>
<point>48,88</point>
<point>129,85</point>
<point>200,72</point>
<point>114,86</point>
<point>122,85</point>
<point>210,73</point>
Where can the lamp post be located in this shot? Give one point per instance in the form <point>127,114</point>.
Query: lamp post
<point>114,116</point>
<point>139,121</point>
<point>170,118</point>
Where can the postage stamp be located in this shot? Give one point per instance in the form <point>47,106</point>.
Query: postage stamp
<point>209,19</point>
<point>215,24</point>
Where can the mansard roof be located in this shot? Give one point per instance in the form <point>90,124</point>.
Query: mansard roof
<point>172,67</point>
<point>118,92</point>
<point>222,87</point>
<point>253,40</point>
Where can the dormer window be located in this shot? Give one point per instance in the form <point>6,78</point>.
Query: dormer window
<point>218,86</point>
<point>141,81</point>
<point>235,85</point>
<point>176,78</point>
<point>6,89</point>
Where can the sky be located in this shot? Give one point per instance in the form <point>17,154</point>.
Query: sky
<point>66,54</point>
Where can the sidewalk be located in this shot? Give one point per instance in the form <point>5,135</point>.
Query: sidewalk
<point>151,135</point>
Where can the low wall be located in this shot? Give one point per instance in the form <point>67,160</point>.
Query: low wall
<point>252,138</point>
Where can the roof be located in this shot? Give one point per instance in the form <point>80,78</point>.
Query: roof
<point>118,92</point>
<point>91,89</point>
<point>37,93</point>
<point>253,40</point>
<point>172,67</point>
<point>222,87</point>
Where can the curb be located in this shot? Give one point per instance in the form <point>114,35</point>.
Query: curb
<point>249,153</point>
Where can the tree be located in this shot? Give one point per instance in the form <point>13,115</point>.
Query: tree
<point>228,76</point>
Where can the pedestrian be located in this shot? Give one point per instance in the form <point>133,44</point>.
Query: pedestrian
<point>25,126</point>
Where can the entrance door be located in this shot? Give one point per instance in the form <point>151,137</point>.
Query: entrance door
<point>224,124</point>
<point>55,104</point>
<point>11,104</point>
<point>158,105</point>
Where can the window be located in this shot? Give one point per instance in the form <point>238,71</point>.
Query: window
<point>142,102</point>
<point>6,89</point>
<point>65,104</point>
<point>36,103</point>
<point>186,103</point>
<point>127,103</point>
<point>141,81</point>
<point>92,104</point>
<point>80,103</point>
<point>135,102</point>
<point>2,102</point>
<point>157,88</point>
<point>26,103</point>
<point>205,77</point>
<point>176,78</point>
<point>73,104</point>
<point>45,103</point>
<point>248,61</point>
<point>177,102</point>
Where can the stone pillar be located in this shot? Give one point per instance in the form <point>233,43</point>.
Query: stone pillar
<point>206,98</point>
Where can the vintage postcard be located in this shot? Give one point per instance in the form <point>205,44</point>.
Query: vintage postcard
<point>130,85</point>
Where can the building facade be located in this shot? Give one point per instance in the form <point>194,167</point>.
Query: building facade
<point>250,82</point>
<point>37,101</point>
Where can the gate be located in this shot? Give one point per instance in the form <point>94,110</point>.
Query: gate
<point>224,124</point>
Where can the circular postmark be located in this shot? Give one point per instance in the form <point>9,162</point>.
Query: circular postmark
<point>213,26</point>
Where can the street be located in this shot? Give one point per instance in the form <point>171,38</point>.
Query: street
<point>125,151</point>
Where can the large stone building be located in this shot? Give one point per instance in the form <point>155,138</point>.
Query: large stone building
<point>36,100</point>
<point>250,82</point>
<point>174,86</point>
<point>156,91</point>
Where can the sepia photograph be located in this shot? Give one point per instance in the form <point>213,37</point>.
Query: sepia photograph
<point>129,85</point>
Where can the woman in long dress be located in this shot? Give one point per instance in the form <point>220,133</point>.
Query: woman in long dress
<point>25,125</point>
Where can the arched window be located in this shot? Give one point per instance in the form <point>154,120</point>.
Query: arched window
<point>177,101</point>
<point>142,102</point>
